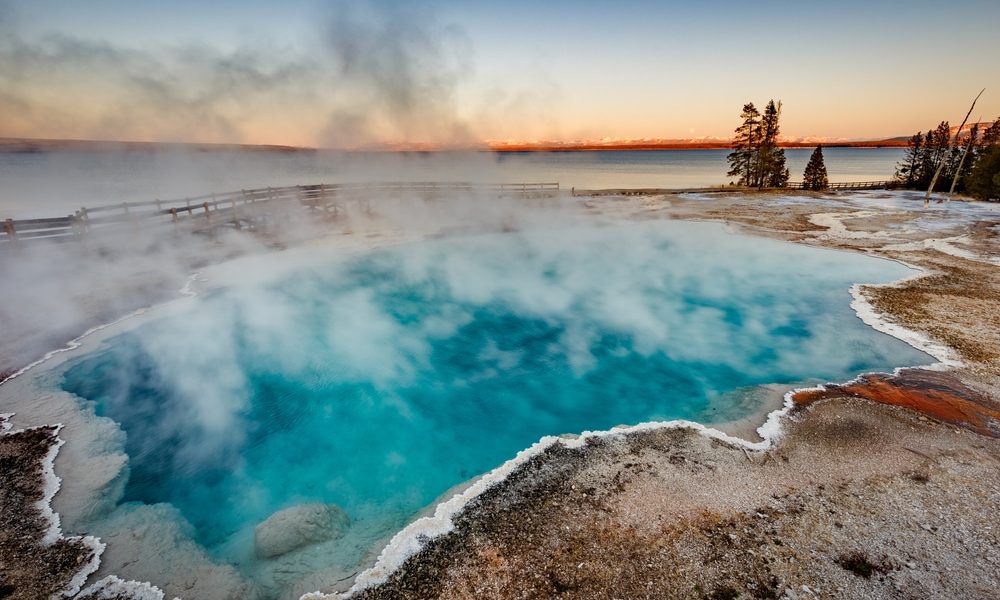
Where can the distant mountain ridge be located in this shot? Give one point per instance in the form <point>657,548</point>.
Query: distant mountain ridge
<point>682,144</point>
<point>28,145</point>
<point>46,145</point>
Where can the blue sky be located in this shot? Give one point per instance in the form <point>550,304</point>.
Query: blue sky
<point>568,70</point>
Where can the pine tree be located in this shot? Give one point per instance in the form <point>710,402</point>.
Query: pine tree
<point>815,177</point>
<point>991,137</point>
<point>938,151</point>
<point>908,170</point>
<point>756,158</point>
<point>926,170</point>
<point>771,171</point>
<point>983,180</point>
<point>743,158</point>
<point>965,158</point>
<point>978,174</point>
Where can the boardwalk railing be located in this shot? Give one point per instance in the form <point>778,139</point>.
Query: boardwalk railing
<point>792,185</point>
<point>228,208</point>
<point>851,185</point>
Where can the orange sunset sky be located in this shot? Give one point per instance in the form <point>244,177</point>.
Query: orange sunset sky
<point>350,74</point>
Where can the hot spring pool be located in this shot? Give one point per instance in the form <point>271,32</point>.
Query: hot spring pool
<point>378,382</point>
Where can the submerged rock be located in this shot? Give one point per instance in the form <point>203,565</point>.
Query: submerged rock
<point>298,526</point>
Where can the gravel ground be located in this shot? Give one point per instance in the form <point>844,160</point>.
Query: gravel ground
<point>28,568</point>
<point>859,501</point>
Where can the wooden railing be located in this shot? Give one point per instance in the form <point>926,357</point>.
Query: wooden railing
<point>851,185</point>
<point>227,209</point>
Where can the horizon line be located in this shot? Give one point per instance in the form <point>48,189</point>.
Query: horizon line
<point>24,144</point>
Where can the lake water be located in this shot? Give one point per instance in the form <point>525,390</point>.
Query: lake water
<point>379,382</point>
<point>57,183</point>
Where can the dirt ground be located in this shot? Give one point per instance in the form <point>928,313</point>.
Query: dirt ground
<point>28,568</point>
<point>859,501</point>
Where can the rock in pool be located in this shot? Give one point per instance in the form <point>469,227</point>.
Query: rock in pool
<point>298,526</point>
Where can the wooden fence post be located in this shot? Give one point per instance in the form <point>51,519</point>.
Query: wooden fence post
<point>76,225</point>
<point>8,228</point>
<point>86,219</point>
<point>205,206</point>
<point>133,221</point>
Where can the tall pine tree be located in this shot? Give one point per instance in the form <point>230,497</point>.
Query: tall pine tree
<point>743,158</point>
<point>927,165</point>
<point>965,154</point>
<point>756,159</point>
<point>984,179</point>
<point>908,170</point>
<point>939,151</point>
<point>771,170</point>
<point>978,174</point>
<point>815,178</point>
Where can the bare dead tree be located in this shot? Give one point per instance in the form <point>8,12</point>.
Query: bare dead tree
<point>961,162</point>
<point>944,161</point>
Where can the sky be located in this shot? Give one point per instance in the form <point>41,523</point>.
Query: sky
<point>351,73</point>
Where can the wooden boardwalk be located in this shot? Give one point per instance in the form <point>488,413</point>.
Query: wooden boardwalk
<point>238,209</point>
<point>852,185</point>
<point>793,185</point>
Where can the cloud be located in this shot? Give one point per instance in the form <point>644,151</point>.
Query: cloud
<point>383,73</point>
<point>398,67</point>
<point>62,86</point>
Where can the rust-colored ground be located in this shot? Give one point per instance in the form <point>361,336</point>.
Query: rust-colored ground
<point>933,393</point>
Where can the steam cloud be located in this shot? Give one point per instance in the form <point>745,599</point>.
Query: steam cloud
<point>384,72</point>
<point>581,280</point>
<point>398,69</point>
<point>51,292</point>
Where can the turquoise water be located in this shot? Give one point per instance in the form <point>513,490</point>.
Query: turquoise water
<point>380,381</point>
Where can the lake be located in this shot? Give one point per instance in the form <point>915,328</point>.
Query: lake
<point>42,184</point>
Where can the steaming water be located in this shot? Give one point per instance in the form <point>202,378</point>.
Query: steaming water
<point>379,382</point>
<point>32,189</point>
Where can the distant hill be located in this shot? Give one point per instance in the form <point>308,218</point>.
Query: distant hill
<point>965,131</point>
<point>27,145</point>
<point>968,127</point>
<point>699,143</point>
<point>49,145</point>
<point>682,144</point>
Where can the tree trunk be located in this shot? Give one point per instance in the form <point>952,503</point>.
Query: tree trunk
<point>961,161</point>
<point>944,160</point>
